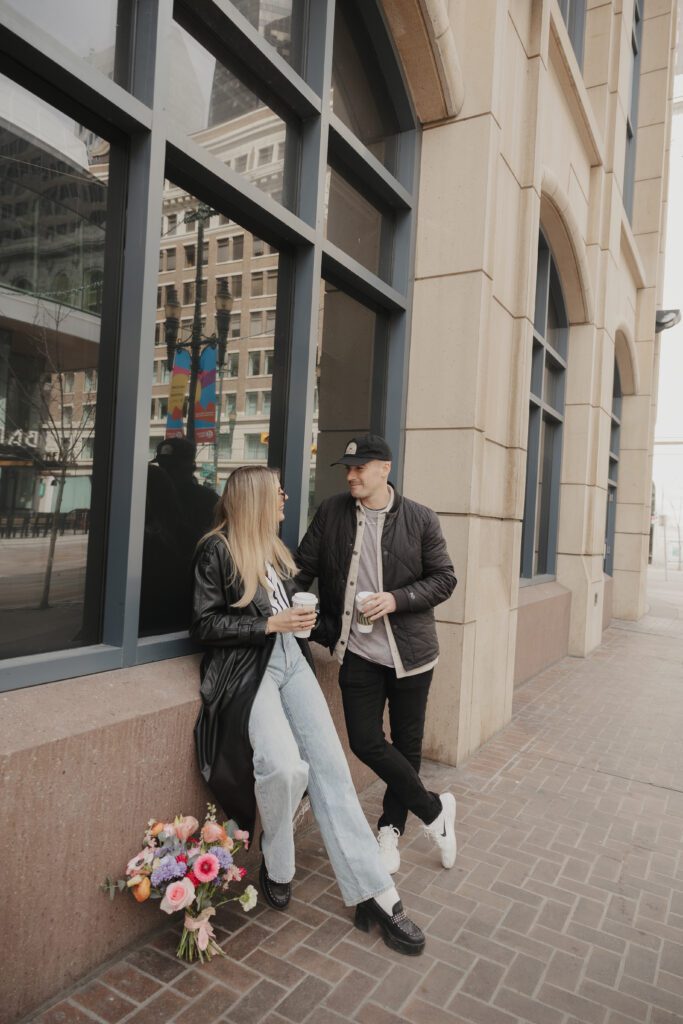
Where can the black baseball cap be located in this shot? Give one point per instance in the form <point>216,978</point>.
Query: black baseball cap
<point>364,449</point>
<point>176,448</point>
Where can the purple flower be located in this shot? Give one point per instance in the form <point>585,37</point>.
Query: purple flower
<point>224,857</point>
<point>168,870</point>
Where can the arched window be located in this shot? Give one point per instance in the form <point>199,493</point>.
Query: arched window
<point>61,290</point>
<point>612,474</point>
<point>546,418</point>
<point>93,291</point>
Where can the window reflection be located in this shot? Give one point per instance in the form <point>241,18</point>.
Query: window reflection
<point>223,115</point>
<point>88,29</point>
<point>53,204</point>
<point>222,316</point>
<point>358,227</point>
<point>280,22</point>
<point>345,364</point>
<point>360,97</point>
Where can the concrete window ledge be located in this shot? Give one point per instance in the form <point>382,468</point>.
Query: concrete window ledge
<point>84,764</point>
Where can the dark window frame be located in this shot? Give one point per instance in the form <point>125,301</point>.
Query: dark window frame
<point>540,523</point>
<point>632,114</point>
<point>574,16</point>
<point>613,473</point>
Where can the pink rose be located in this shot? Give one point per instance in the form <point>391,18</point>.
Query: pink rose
<point>184,827</point>
<point>206,867</point>
<point>212,832</point>
<point>242,836</point>
<point>178,895</point>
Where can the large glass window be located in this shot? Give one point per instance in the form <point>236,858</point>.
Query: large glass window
<point>221,113</point>
<point>53,222</point>
<point>632,116</point>
<point>98,33</point>
<point>281,23</point>
<point>546,417</point>
<point>205,438</point>
<point>299,296</point>
<point>357,226</point>
<point>349,385</point>
<point>360,97</point>
<point>613,473</point>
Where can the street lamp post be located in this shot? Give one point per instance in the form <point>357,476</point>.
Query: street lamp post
<point>197,340</point>
<point>223,310</point>
<point>201,214</point>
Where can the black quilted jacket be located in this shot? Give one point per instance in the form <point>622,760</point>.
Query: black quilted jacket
<point>416,568</point>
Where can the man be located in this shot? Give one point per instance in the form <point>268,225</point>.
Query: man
<point>176,456</point>
<point>373,539</point>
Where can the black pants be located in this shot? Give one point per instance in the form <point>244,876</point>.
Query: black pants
<point>366,688</point>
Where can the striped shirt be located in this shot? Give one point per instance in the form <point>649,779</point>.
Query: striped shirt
<point>277,593</point>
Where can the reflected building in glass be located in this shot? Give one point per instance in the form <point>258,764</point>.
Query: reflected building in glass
<point>53,203</point>
<point>246,135</point>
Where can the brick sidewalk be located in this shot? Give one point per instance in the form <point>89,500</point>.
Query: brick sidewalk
<point>565,904</point>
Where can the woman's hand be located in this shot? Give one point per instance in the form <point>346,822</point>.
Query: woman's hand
<point>292,620</point>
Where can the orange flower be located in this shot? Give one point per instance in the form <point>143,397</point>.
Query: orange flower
<point>212,832</point>
<point>142,890</point>
<point>157,828</point>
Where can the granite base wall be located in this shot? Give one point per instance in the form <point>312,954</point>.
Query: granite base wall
<point>542,628</point>
<point>84,764</point>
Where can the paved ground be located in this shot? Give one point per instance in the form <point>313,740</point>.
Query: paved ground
<point>565,904</point>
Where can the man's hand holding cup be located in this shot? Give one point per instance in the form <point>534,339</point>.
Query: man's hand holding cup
<point>370,607</point>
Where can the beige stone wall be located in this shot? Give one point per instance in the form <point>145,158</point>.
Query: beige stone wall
<point>536,142</point>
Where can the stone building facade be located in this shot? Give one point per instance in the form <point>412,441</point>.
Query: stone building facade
<point>506,345</point>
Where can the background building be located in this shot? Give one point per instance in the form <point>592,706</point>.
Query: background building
<point>668,451</point>
<point>439,221</point>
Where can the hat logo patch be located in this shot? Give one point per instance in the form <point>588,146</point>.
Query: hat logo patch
<point>351,448</point>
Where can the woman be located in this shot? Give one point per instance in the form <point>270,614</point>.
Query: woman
<point>265,734</point>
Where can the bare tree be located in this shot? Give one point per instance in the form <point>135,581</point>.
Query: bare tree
<point>62,437</point>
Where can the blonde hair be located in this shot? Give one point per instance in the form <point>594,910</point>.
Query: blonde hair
<point>246,520</point>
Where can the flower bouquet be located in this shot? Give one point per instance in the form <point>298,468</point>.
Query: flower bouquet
<point>189,869</point>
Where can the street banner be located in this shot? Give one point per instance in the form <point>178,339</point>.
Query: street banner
<point>205,406</point>
<point>176,396</point>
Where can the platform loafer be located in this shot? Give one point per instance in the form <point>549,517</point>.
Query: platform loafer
<point>399,932</point>
<point>276,894</point>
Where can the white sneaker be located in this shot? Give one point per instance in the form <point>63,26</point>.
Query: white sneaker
<point>388,838</point>
<point>442,831</point>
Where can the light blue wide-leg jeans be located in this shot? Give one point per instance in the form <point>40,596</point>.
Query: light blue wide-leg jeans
<point>295,744</point>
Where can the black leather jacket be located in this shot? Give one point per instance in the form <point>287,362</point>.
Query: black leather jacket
<point>416,569</point>
<point>238,650</point>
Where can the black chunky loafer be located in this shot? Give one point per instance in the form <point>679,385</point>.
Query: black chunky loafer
<point>400,933</point>
<point>276,894</point>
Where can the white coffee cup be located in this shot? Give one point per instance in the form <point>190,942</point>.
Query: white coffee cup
<point>302,599</point>
<point>363,623</point>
